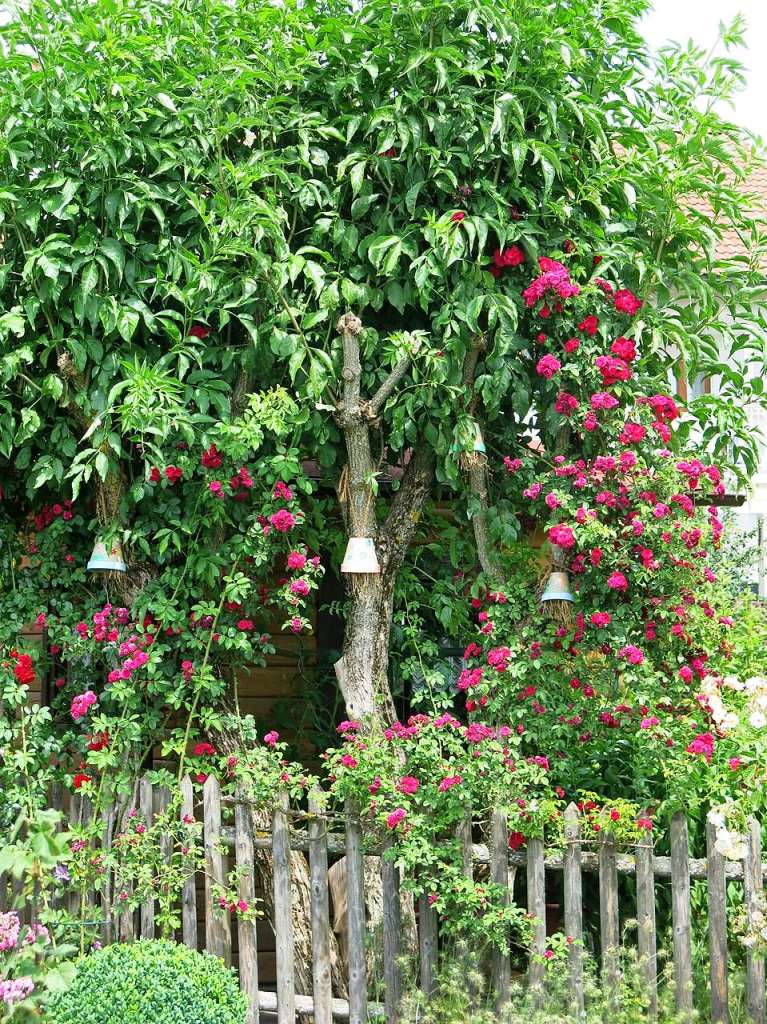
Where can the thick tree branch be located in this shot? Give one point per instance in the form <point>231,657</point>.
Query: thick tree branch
<point>376,403</point>
<point>485,550</point>
<point>478,474</point>
<point>397,531</point>
<point>359,496</point>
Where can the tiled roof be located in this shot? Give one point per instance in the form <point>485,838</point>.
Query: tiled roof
<point>754,190</point>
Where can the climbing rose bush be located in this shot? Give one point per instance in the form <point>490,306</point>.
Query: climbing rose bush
<point>415,783</point>
<point>619,691</point>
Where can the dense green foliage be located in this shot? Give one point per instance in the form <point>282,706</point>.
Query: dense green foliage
<point>152,981</point>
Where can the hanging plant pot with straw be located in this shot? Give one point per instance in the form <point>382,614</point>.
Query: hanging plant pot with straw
<point>556,596</point>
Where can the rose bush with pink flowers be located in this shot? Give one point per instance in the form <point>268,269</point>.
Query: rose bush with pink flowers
<point>619,693</point>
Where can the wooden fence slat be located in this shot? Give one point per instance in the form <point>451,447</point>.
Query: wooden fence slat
<point>608,918</point>
<point>283,917</point>
<point>73,896</point>
<point>126,924</point>
<point>647,940</point>
<point>680,914</point>
<point>189,892</point>
<point>392,929</point>
<point>536,906</point>
<point>427,942</point>
<point>146,806</point>
<point>625,863</point>
<point>464,838</point>
<point>246,930</point>
<point>717,929</point>
<point>320,914</point>
<point>305,1006</point>
<point>499,875</point>
<point>355,920</point>
<point>218,930</point>
<point>752,892</point>
<point>463,949</point>
<point>574,904</point>
<point>107,927</point>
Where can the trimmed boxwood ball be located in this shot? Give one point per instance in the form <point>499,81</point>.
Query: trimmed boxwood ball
<point>150,982</point>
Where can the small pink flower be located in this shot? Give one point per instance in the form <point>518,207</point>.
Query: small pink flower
<point>271,738</point>
<point>296,560</point>
<point>81,704</point>
<point>396,817</point>
<point>626,302</point>
<point>282,491</point>
<point>633,655</point>
<point>448,782</point>
<point>408,785</point>
<point>547,366</point>
<point>282,520</point>
<point>562,536</point>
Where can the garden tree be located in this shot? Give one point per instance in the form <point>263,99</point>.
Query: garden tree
<point>230,197</point>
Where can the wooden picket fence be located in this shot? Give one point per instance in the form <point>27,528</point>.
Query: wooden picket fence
<point>321,836</point>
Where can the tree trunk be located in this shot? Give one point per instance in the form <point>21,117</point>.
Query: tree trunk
<point>362,669</point>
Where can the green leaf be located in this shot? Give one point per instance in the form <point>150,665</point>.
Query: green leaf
<point>167,102</point>
<point>114,251</point>
<point>102,465</point>
<point>385,252</point>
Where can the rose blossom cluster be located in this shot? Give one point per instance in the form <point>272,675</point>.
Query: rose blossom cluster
<point>633,531</point>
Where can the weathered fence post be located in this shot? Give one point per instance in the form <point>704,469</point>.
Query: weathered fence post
<point>427,944</point>
<point>680,911</point>
<point>218,931</point>
<point>108,818</point>
<point>608,917</point>
<point>392,929</point>
<point>717,928</point>
<point>286,985</point>
<point>246,930</point>
<point>126,923</point>
<point>146,806</point>
<point>574,903</point>
<point>355,896</point>
<point>320,913</point>
<point>752,892</point>
<point>536,906</point>
<point>646,935</point>
<point>499,874</point>
<point>283,918</point>
<point>189,892</point>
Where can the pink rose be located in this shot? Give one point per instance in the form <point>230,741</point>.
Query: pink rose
<point>296,560</point>
<point>547,366</point>
<point>408,785</point>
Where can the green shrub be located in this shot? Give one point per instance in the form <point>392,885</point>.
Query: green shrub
<point>150,983</point>
<point>461,996</point>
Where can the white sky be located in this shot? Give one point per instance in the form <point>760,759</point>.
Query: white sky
<point>680,20</point>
